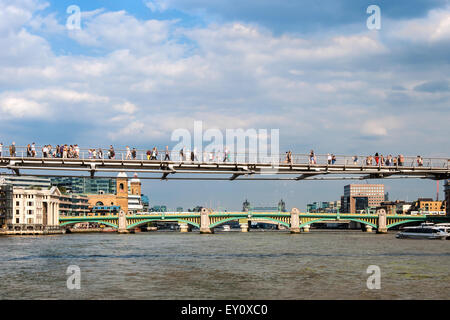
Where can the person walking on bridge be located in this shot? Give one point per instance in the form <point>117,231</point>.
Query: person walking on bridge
<point>1,149</point>
<point>29,153</point>
<point>226,154</point>
<point>33,150</point>
<point>77,151</point>
<point>312,157</point>
<point>181,154</point>
<point>128,155</point>
<point>111,152</point>
<point>289,157</point>
<point>419,161</point>
<point>12,150</point>
<point>154,154</point>
<point>377,158</point>
<point>167,154</point>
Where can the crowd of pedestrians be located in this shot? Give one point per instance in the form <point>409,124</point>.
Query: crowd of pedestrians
<point>73,151</point>
<point>380,160</point>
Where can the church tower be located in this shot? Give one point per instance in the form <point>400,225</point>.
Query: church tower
<point>122,191</point>
<point>135,185</point>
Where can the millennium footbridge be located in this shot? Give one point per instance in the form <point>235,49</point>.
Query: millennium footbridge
<point>233,167</point>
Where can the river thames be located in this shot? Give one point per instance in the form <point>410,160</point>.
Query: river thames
<point>322,264</point>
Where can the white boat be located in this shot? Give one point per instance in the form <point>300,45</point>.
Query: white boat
<point>422,232</point>
<point>444,227</point>
<point>226,228</point>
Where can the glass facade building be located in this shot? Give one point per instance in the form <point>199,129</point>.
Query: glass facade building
<point>85,185</point>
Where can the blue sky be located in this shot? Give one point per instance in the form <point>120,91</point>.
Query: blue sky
<point>138,70</point>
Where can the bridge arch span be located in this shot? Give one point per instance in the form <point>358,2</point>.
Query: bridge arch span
<point>70,223</point>
<point>402,222</point>
<point>274,221</point>
<point>346,219</point>
<point>140,223</point>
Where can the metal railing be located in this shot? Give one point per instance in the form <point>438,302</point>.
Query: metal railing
<point>230,157</point>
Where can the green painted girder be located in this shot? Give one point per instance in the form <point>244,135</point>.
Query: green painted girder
<point>136,224</point>
<point>331,219</point>
<point>81,221</point>
<point>228,219</point>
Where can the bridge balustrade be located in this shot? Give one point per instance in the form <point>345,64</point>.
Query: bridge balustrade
<point>234,157</point>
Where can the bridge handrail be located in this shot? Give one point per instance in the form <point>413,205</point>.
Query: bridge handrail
<point>237,157</point>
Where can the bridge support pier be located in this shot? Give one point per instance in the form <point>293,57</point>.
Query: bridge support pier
<point>184,227</point>
<point>368,228</point>
<point>306,228</point>
<point>244,227</point>
<point>204,222</point>
<point>122,223</point>
<point>382,228</point>
<point>295,221</point>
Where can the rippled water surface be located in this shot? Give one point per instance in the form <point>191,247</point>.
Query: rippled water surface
<point>228,265</point>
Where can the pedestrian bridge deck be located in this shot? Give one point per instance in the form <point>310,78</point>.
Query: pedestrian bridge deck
<point>265,169</point>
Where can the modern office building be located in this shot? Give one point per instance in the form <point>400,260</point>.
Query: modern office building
<point>25,181</point>
<point>358,197</point>
<point>324,207</point>
<point>86,185</point>
<point>73,205</point>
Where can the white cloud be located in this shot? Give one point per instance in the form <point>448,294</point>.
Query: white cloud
<point>157,5</point>
<point>435,27</point>
<point>16,107</point>
<point>126,107</point>
<point>114,30</point>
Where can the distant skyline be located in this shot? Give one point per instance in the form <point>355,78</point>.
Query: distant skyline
<point>138,70</point>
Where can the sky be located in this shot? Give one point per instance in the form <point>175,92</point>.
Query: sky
<point>137,70</point>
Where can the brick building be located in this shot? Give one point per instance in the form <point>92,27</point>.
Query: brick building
<point>358,197</point>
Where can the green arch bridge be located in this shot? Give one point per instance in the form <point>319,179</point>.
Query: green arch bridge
<point>208,220</point>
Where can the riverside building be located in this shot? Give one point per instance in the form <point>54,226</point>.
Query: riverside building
<point>25,181</point>
<point>29,210</point>
<point>359,197</point>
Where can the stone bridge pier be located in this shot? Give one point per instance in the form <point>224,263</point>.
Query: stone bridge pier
<point>122,223</point>
<point>295,221</point>
<point>204,222</point>
<point>382,228</point>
